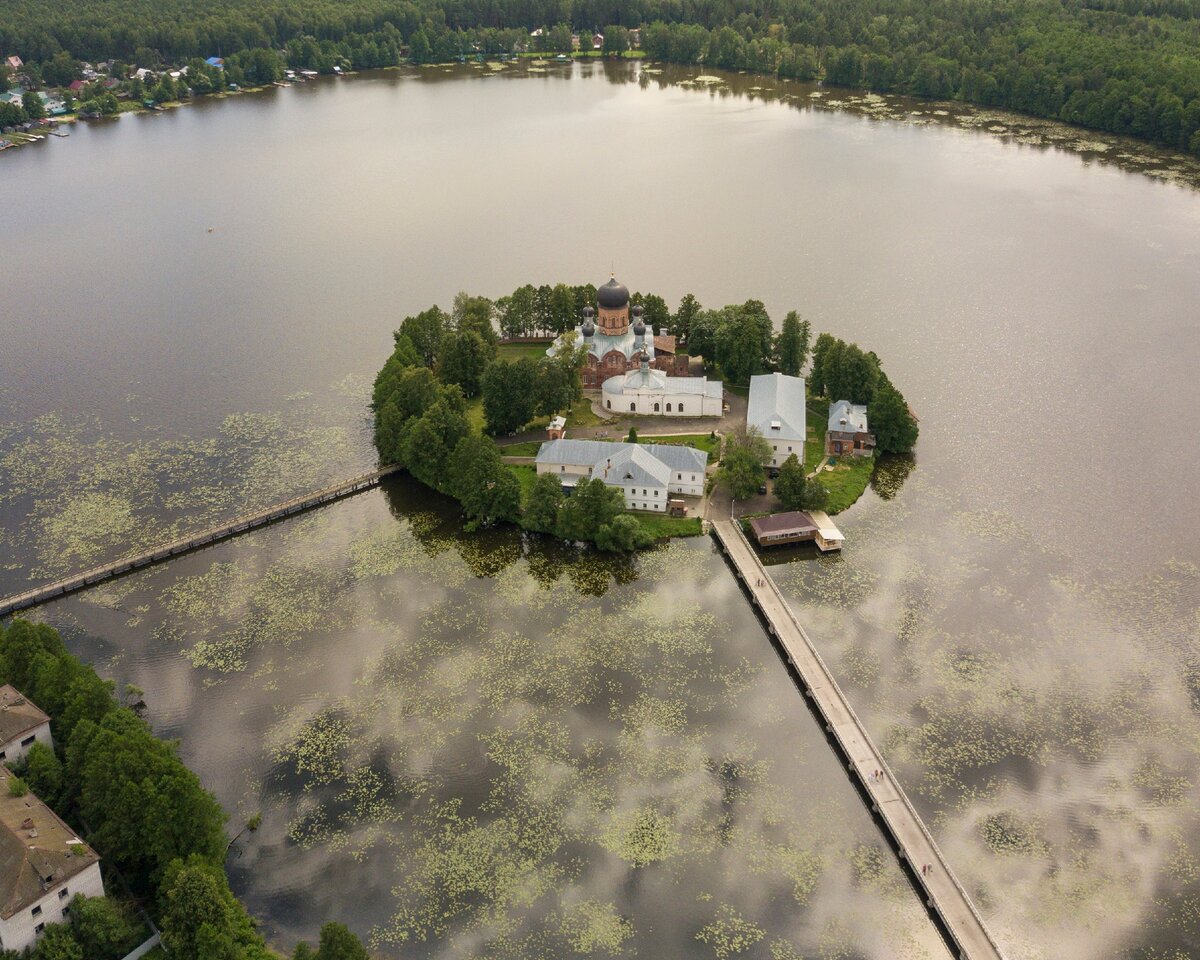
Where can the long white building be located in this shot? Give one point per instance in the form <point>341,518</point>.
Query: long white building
<point>776,410</point>
<point>651,392</point>
<point>646,473</point>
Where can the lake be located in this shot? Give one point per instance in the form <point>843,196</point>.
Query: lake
<point>488,746</point>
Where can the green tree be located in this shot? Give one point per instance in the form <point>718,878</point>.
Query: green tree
<point>200,919</point>
<point>742,463</point>
<point>516,317</point>
<point>487,489</point>
<point>464,357</point>
<point>795,491</point>
<point>387,380</point>
<point>102,928</point>
<point>430,441</point>
<point>419,50</point>
<point>32,104</point>
<point>681,323</point>
<point>58,943</point>
<point>616,41</point>
<point>893,426</point>
<point>545,501</point>
<point>590,507</point>
<point>818,377</point>
<point>144,807</point>
<point>475,314</point>
<point>791,350</point>
<point>509,391</point>
<point>338,943</point>
<point>744,341</point>
<point>43,771</point>
<point>622,534</point>
<point>426,330</point>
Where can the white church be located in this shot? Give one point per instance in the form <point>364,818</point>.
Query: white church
<point>647,391</point>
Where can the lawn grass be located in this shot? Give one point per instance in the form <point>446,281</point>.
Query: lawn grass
<point>701,441</point>
<point>526,477</point>
<point>660,526</point>
<point>517,351</point>
<point>527,448</point>
<point>846,481</point>
<point>475,414</point>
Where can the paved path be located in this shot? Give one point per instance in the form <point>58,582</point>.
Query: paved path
<point>944,895</point>
<point>231,528</point>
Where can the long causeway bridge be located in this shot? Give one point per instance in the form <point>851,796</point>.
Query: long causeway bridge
<point>231,528</point>
<point>947,900</point>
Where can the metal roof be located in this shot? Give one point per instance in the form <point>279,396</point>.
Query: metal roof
<point>592,452</point>
<point>600,344</point>
<point>848,417</point>
<point>776,406</point>
<point>656,380</point>
<point>633,464</point>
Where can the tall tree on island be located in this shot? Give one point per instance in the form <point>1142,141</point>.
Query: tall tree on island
<point>894,428</point>
<point>744,341</point>
<point>681,323</point>
<point>795,491</point>
<point>545,501</point>
<point>791,347</point>
<point>743,461</point>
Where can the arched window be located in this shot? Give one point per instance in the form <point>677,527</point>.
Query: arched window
<point>656,408</point>
<point>609,402</point>
<point>633,408</point>
<point>681,408</point>
<point>668,408</point>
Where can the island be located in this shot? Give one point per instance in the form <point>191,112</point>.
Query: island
<point>597,416</point>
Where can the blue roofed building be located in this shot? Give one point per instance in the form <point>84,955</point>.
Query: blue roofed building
<point>776,410</point>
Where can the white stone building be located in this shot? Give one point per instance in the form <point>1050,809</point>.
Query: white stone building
<point>652,393</point>
<point>43,864</point>
<point>22,725</point>
<point>776,410</point>
<point>646,473</point>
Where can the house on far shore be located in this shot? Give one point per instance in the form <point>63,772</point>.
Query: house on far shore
<point>218,62</point>
<point>43,864</point>
<point>597,41</point>
<point>848,434</point>
<point>776,410</point>
<point>21,725</point>
<point>14,62</point>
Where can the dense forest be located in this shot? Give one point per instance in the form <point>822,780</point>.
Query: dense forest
<point>1123,66</point>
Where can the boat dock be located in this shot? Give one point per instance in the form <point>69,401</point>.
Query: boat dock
<point>231,528</point>
<point>947,901</point>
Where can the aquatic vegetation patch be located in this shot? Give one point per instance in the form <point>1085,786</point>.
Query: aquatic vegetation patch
<point>730,933</point>
<point>595,927</point>
<point>641,837</point>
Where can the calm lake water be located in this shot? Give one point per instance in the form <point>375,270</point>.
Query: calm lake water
<point>468,746</point>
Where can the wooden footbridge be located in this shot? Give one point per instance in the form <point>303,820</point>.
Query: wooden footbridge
<point>231,528</point>
<point>947,900</point>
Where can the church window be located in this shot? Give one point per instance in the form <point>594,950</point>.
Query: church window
<point>656,408</point>
<point>633,408</point>
<point>681,408</point>
<point>609,402</point>
<point>668,408</point>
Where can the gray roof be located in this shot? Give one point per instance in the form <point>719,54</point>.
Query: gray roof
<point>601,344</point>
<point>633,463</point>
<point>847,417</point>
<point>653,379</point>
<point>17,715</point>
<point>592,452</point>
<point>776,406</point>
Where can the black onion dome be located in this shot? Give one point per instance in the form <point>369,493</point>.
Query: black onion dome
<point>588,328</point>
<point>613,295</point>
<point>639,327</point>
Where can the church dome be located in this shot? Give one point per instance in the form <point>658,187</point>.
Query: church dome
<point>613,295</point>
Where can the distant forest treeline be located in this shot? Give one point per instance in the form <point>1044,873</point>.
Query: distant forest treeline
<point>1122,66</point>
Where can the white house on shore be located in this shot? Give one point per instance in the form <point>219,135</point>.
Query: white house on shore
<point>777,411</point>
<point>43,864</point>
<point>651,392</point>
<point>22,725</point>
<point>646,473</point>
